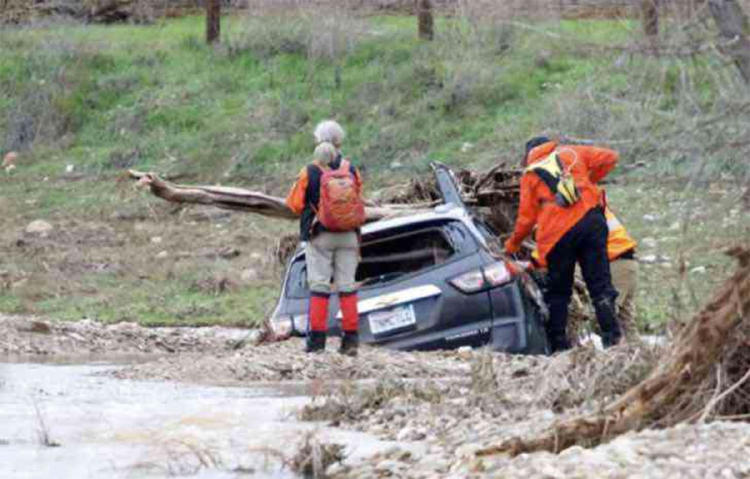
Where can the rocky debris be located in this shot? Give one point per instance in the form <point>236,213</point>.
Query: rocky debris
<point>38,337</point>
<point>39,228</point>
<point>286,361</point>
<point>718,449</point>
<point>502,396</point>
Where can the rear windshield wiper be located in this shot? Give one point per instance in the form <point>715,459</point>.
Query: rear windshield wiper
<point>382,278</point>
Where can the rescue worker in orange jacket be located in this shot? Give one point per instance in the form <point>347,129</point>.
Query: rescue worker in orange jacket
<point>560,197</point>
<point>327,254</point>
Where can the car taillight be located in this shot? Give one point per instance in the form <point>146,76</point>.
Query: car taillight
<point>470,282</point>
<point>490,276</point>
<point>497,274</point>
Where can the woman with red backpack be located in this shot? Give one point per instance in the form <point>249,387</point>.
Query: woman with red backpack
<point>327,196</point>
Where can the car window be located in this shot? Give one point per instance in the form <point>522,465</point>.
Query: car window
<point>387,258</point>
<point>490,235</point>
<point>392,254</point>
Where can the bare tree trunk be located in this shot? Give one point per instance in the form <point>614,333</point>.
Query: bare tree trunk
<point>213,20</point>
<point>735,30</point>
<point>650,18</point>
<point>256,202</point>
<point>424,19</point>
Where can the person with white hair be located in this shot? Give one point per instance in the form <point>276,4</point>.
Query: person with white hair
<point>327,196</point>
<point>331,132</point>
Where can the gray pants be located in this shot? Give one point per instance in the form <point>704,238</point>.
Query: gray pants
<point>332,255</point>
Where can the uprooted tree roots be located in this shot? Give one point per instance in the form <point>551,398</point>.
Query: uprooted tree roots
<point>704,375</point>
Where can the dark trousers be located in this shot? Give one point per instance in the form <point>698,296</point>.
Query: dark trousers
<point>586,244</point>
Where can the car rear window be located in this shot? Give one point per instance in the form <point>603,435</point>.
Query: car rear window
<point>392,254</point>
<point>388,258</point>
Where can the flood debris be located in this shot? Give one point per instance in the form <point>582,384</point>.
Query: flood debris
<point>287,361</point>
<point>314,457</point>
<point>704,375</point>
<point>21,336</point>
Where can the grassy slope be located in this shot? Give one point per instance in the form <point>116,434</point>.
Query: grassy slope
<point>106,98</point>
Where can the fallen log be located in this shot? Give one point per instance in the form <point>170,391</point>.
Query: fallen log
<point>704,375</point>
<point>250,201</point>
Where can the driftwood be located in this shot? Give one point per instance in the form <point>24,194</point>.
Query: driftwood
<point>250,201</point>
<point>704,375</point>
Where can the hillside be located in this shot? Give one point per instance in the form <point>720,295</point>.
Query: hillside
<point>83,103</point>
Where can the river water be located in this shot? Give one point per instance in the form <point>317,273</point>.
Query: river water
<point>71,421</point>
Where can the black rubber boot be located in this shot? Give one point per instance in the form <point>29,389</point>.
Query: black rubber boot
<point>316,342</point>
<point>605,315</point>
<point>349,344</point>
<point>558,343</point>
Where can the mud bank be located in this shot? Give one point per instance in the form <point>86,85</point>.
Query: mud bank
<point>285,361</point>
<point>38,337</point>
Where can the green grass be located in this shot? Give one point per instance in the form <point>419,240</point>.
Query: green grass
<point>108,98</point>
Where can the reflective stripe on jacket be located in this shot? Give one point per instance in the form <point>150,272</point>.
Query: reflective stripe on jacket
<point>618,241</point>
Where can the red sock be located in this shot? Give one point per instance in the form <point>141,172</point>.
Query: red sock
<point>350,316</point>
<point>318,312</point>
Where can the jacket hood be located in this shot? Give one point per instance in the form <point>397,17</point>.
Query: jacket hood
<point>540,152</point>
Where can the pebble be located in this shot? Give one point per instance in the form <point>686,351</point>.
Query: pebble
<point>249,275</point>
<point>649,242</point>
<point>162,254</point>
<point>39,227</point>
<point>698,270</point>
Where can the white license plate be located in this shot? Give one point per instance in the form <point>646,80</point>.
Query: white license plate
<point>382,321</point>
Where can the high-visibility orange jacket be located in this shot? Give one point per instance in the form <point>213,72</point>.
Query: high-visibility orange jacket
<point>618,240</point>
<point>588,165</point>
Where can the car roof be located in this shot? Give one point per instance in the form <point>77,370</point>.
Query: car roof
<point>442,212</point>
<point>438,213</point>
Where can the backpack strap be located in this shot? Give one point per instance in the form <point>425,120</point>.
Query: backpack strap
<point>549,170</point>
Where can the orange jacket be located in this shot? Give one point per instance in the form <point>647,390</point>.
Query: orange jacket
<point>588,165</point>
<point>618,239</point>
<point>295,200</point>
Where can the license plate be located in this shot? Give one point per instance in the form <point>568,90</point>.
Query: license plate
<point>382,321</point>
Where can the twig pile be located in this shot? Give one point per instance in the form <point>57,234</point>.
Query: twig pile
<point>314,457</point>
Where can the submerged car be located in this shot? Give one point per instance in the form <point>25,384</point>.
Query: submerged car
<point>429,281</point>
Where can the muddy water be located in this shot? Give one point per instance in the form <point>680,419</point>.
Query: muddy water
<point>110,428</point>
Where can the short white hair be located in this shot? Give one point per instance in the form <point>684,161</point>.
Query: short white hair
<point>329,131</point>
<point>325,153</point>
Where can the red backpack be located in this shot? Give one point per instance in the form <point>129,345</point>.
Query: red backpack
<point>341,207</point>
